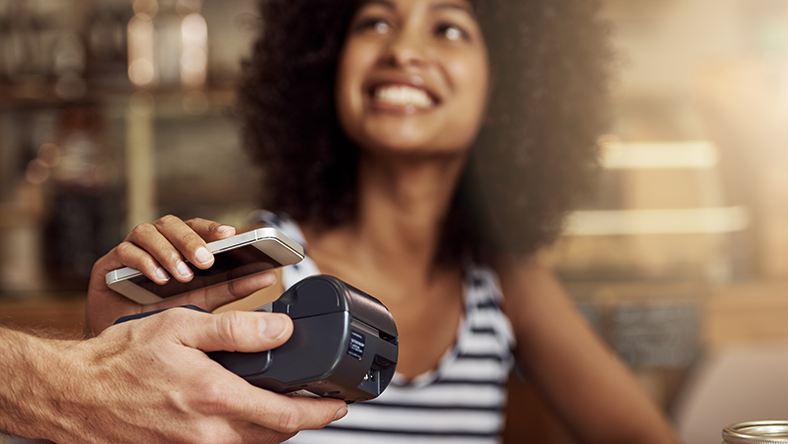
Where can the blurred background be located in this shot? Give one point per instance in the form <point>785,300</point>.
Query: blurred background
<point>116,112</point>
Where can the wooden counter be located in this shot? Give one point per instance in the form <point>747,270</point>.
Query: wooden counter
<point>50,314</point>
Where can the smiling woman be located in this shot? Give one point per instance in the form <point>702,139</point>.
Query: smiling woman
<point>533,155</point>
<point>415,147</point>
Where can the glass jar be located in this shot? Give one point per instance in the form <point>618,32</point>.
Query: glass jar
<point>756,432</point>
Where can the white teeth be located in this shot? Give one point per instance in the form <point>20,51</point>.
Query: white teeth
<point>403,95</point>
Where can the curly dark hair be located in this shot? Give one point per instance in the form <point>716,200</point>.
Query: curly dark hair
<point>535,154</point>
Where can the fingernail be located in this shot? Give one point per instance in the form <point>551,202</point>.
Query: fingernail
<point>183,269</point>
<point>223,228</point>
<point>272,327</point>
<point>161,274</point>
<point>202,255</point>
<point>340,414</point>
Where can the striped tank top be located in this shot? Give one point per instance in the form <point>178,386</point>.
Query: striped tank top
<point>462,401</point>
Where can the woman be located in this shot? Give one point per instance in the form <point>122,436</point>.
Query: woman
<point>423,150</point>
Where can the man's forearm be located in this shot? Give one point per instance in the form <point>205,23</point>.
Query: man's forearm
<point>28,371</point>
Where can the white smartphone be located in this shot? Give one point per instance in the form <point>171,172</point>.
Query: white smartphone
<point>236,257</point>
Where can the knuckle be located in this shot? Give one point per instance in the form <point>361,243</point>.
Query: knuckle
<point>195,220</point>
<point>177,318</point>
<point>124,248</point>
<point>213,226</point>
<point>189,237</point>
<point>142,229</point>
<point>166,220</point>
<point>289,421</point>
<point>218,399</point>
<point>233,288</point>
<point>229,325</point>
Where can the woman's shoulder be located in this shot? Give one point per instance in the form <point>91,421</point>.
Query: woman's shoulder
<point>524,282</point>
<point>519,272</point>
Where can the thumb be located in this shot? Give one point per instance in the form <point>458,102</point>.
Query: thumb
<point>236,331</point>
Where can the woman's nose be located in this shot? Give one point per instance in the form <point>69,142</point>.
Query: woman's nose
<point>407,48</point>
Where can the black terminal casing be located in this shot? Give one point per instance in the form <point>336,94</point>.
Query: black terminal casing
<point>344,344</point>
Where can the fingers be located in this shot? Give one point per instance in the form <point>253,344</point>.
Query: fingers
<point>217,296</point>
<point>234,397</point>
<point>232,331</point>
<point>265,412</point>
<point>149,255</point>
<point>210,230</point>
<point>162,249</point>
<point>287,414</point>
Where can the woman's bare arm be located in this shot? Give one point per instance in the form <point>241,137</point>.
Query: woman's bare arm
<point>579,376</point>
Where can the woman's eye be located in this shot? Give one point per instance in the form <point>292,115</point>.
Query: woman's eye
<point>381,27</point>
<point>452,32</point>
<point>376,25</point>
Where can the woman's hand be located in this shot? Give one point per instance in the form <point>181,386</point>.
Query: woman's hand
<point>160,250</point>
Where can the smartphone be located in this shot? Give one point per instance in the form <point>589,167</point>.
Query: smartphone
<point>236,257</point>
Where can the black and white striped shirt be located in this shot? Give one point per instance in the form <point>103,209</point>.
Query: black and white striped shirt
<point>460,402</point>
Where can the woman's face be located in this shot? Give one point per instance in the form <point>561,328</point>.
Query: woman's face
<point>413,76</point>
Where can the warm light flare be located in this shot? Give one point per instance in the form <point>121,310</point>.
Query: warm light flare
<point>142,72</point>
<point>194,58</point>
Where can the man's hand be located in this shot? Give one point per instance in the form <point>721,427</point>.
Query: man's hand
<point>149,380</point>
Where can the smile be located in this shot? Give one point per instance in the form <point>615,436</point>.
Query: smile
<point>402,95</point>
